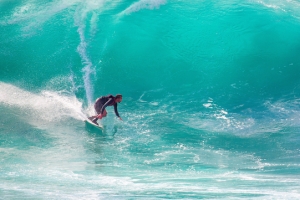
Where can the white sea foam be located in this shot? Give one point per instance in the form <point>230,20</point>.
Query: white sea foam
<point>288,6</point>
<point>143,4</point>
<point>30,15</point>
<point>277,115</point>
<point>46,105</point>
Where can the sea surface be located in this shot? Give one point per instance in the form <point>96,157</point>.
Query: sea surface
<point>211,99</point>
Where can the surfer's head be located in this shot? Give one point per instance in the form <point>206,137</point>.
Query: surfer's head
<point>118,98</point>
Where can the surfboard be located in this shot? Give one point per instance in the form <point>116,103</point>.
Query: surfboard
<point>89,122</point>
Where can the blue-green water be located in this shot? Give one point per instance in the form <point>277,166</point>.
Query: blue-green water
<point>211,99</point>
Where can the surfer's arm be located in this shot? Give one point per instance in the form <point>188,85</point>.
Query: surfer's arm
<point>116,110</point>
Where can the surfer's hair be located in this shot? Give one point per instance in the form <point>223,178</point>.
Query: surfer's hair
<point>118,96</point>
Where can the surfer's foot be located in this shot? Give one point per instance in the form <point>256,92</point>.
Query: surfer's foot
<point>95,121</point>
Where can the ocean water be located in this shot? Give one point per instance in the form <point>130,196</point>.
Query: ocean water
<point>211,99</point>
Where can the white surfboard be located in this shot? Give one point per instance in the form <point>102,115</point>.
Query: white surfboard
<point>100,126</point>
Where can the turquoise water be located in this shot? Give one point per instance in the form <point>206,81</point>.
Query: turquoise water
<point>211,99</point>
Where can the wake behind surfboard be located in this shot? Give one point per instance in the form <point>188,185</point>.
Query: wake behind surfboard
<point>89,122</point>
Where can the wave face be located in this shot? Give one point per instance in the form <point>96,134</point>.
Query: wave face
<point>211,96</point>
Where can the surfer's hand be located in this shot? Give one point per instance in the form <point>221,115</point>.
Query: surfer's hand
<point>120,118</point>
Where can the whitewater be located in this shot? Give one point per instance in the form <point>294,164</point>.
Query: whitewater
<point>211,99</point>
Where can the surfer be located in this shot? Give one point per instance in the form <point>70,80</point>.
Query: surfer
<point>104,101</point>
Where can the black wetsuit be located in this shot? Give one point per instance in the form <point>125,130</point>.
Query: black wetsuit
<point>104,101</point>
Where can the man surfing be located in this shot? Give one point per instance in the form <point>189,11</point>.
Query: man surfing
<point>104,101</point>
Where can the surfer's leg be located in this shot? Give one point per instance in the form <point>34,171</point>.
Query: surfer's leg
<point>92,118</point>
<point>95,120</point>
<point>104,113</point>
<point>100,116</point>
<point>98,111</point>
